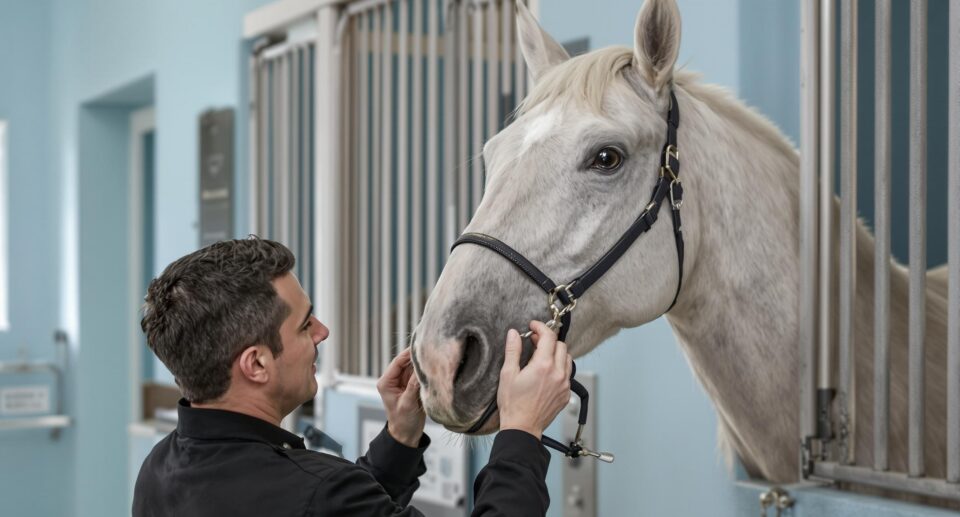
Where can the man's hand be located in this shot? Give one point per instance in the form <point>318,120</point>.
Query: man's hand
<point>529,399</point>
<point>400,391</point>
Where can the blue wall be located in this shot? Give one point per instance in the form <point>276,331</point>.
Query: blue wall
<point>62,65</point>
<point>28,458</point>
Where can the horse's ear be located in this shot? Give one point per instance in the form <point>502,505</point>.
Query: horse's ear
<point>540,51</point>
<point>657,41</point>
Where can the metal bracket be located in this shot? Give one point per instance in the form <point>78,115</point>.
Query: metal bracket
<point>580,474</point>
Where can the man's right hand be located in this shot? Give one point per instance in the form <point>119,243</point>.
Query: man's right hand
<point>530,398</point>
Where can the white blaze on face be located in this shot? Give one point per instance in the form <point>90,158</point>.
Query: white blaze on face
<point>540,126</point>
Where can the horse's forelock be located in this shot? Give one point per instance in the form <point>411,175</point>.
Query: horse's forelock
<point>583,79</point>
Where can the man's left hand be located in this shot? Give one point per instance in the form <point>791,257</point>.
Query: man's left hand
<point>400,391</point>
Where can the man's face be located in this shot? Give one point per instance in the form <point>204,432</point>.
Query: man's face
<point>295,380</point>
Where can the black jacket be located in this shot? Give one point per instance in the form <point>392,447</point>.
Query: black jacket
<point>225,463</point>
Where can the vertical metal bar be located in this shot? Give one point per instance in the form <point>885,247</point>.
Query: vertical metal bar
<point>881,332</point>
<point>376,255</point>
<point>450,152</point>
<point>433,106</point>
<point>364,206</point>
<point>493,73</point>
<point>463,29</point>
<point>356,172</point>
<point>386,174</point>
<point>827,146</point>
<point>402,169</point>
<point>325,203</point>
<point>342,53</point>
<point>293,201</point>
<point>918,231</point>
<point>278,139</point>
<point>310,176</point>
<point>848,224</point>
<point>808,215</point>
<point>476,171</point>
<point>506,57</point>
<point>417,163</point>
<point>305,194</point>
<point>270,154</point>
<point>953,243</point>
<point>253,134</point>
<point>283,206</point>
<point>348,169</point>
<point>263,187</point>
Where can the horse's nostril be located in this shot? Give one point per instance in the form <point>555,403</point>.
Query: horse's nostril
<point>470,360</point>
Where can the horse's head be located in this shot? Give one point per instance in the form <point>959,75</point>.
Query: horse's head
<point>564,181</point>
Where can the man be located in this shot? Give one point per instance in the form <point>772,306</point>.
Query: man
<point>235,328</point>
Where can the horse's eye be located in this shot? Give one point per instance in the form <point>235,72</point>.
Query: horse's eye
<point>607,159</point>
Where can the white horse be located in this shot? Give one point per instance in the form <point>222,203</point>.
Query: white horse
<point>550,196</point>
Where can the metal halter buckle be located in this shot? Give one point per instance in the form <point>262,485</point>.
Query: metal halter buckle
<point>673,201</point>
<point>670,152</point>
<point>557,311</point>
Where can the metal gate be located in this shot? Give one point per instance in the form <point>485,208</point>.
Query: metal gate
<point>818,147</point>
<point>368,134</point>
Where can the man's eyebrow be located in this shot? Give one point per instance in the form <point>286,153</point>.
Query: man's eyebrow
<point>307,317</point>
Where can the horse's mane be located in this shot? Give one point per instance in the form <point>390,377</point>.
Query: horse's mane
<point>585,79</point>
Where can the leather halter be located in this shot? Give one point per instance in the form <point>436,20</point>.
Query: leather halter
<point>668,185</point>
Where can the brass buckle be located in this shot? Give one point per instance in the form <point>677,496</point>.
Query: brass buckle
<point>670,151</point>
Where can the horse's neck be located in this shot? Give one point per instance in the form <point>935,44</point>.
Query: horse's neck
<point>737,315</point>
<point>736,318</point>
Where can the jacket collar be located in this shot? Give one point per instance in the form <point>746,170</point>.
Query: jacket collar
<point>219,424</point>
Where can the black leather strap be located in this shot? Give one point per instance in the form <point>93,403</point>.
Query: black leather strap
<point>640,226</point>
<point>524,265</point>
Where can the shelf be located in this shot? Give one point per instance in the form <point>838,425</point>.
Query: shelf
<point>38,422</point>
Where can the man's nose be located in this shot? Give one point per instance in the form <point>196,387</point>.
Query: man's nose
<point>322,333</point>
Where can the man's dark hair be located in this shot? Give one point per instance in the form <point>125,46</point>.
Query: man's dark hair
<point>207,307</point>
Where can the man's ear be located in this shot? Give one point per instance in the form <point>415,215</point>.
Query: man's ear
<point>254,363</point>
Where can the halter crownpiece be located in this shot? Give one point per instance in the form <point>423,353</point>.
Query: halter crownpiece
<point>562,298</point>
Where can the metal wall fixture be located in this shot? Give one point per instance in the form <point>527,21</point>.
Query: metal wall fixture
<point>57,420</point>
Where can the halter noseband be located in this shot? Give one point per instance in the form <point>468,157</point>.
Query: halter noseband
<point>668,185</point>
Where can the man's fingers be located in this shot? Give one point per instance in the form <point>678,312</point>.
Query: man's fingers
<point>394,375</point>
<point>511,357</point>
<point>405,376</point>
<point>568,368</point>
<point>546,344</point>
<point>560,354</point>
<point>412,390</point>
<point>396,367</point>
